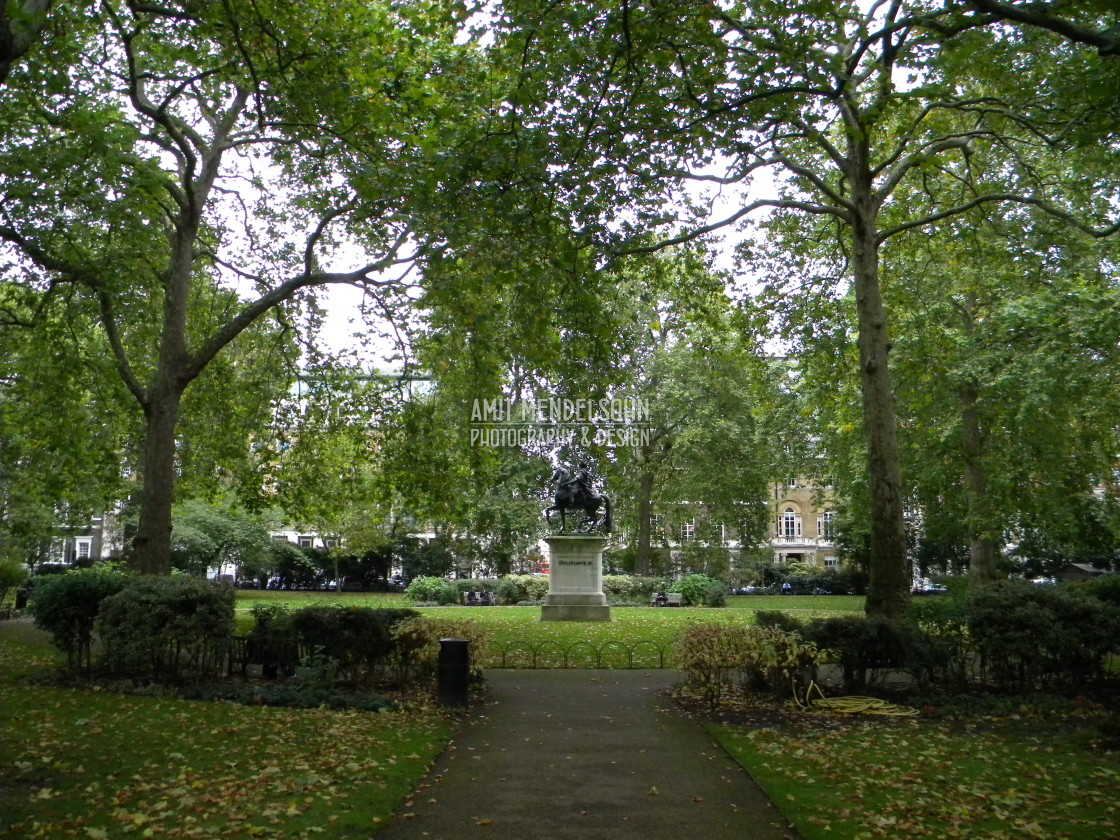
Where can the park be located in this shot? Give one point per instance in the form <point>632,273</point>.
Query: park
<point>721,378</point>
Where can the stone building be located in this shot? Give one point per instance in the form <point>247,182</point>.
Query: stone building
<point>804,524</point>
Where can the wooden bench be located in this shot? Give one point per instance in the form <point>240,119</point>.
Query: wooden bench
<point>672,599</point>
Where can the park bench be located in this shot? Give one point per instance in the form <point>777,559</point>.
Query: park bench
<point>672,599</point>
<point>479,599</point>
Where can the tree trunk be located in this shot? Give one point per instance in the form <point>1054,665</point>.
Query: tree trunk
<point>889,585</point>
<point>643,561</point>
<point>151,546</point>
<point>983,552</point>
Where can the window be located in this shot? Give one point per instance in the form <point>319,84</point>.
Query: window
<point>83,548</point>
<point>279,538</point>
<point>688,531</point>
<point>657,523</point>
<point>789,524</point>
<point>831,561</point>
<point>826,525</point>
<point>306,542</point>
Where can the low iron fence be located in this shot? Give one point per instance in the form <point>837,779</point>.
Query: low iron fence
<point>644,653</point>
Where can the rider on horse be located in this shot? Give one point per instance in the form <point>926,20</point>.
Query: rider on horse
<point>575,493</point>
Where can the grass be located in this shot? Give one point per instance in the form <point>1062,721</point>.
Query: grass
<point>991,778</point>
<point>82,763</point>
<point>95,765</point>
<point>516,631</point>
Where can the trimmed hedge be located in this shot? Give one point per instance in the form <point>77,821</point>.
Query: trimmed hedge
<point>358,640</point>
<point>66,606</point>
<point>167,629</point>
<point>1030,636</point>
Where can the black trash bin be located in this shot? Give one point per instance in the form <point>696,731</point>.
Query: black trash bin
<point>453,672</point>
<point>21,599</point>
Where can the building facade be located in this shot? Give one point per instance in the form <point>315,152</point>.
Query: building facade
<point>804,524</point>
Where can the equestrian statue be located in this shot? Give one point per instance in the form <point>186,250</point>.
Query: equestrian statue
<point>573,492</point>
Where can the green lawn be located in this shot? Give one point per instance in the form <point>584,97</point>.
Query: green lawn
<point>517,634</point>
<point>97,765</point>
<point>990,778</point>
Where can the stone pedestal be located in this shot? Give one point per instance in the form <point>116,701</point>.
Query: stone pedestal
<point>575,586</point>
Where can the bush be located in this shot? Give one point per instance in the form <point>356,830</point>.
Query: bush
<point>868,647</point>
<point>417,640</point>
<point>513,589</point>
<point>164,629</point>
<point>359,640</point>
<point>943,622</point>
<point>779,620</point>
<point>716,656</point>
<point>701,590</point>
<point>622,588</point>
<point>432,590</point>
<point>13,575</point>
<point>715,595</point>
<point>297,696</point>
<point>487,585</point>
<point>66,606</point>
<point>272,641</point>
<point>1106,588</point>
<point>1029,636</point>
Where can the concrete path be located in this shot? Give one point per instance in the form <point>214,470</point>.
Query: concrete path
<point>593,755</point>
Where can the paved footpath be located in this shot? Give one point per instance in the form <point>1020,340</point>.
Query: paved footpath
<point>593,755</point>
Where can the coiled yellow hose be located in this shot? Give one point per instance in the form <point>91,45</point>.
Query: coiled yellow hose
<point>851,705</point>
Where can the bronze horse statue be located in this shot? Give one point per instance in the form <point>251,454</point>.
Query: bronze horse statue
<point>573,492</point>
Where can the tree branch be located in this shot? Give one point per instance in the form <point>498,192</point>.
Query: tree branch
<point>1107,41</point>
<point>128,375</point>
<point>274,297</point>
<point>778,204</point>
<point>1044,206</point>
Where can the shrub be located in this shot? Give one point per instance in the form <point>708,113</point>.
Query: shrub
<point>697,589</point>
<point>66,607</point>
<point>943,622</point>
<point>1029,636</point>
<point>358,639</point>
<point>1106,588</point>
<point>272,641</point>
<point>13,575</point>
<point>779,620</point>
<point>715,656</point>
<point>432,590</point>
<point>489,585</point>
<point>417,640</point>
<point>513,589</point>
<point>868,647</point>
<point>163,629</point>
<point>715,595</point>
<point>295,696</point>
<point>622,588</point>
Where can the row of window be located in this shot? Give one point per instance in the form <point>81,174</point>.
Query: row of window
<point>788,526</point>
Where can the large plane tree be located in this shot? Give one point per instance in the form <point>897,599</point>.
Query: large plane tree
<point>838,104</point>
<point>150,153</point>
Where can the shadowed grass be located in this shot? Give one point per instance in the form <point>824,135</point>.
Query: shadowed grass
<point>989,778</point>
<point>83,763</point>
